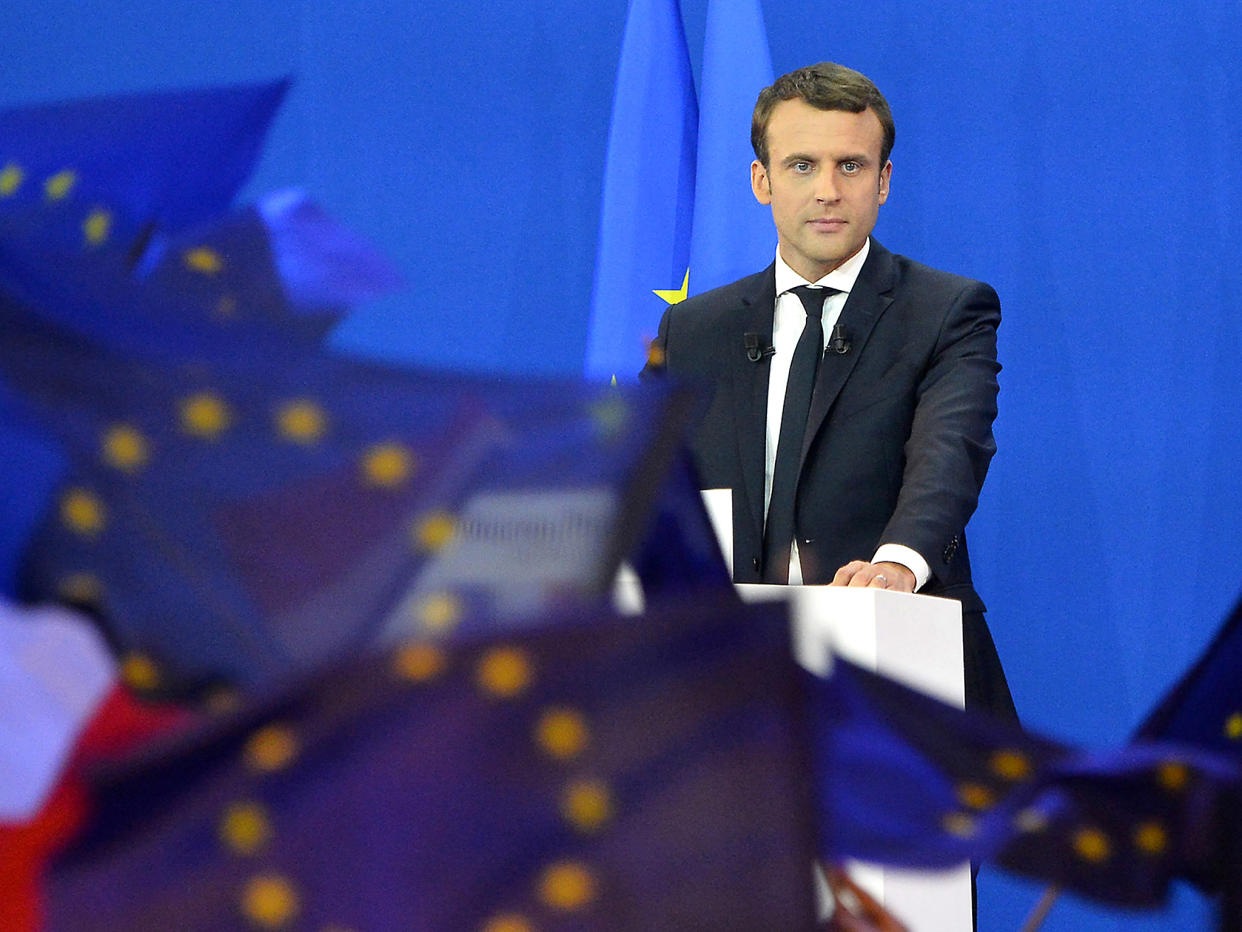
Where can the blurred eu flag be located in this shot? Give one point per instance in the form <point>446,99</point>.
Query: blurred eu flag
<point>1119,826</point>
<point>120,170</point>
<point>647,205</point>
<point>906,780</point>
<point>243,283</point>
<point>1204,708</point>
<point>242,503</point>
<point>595,773</point>
<point>164,160</point>
<point>732,234</point>
<point>238,520</point>
<point>680,552</point>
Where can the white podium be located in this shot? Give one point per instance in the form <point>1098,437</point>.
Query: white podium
<point>913,638</point>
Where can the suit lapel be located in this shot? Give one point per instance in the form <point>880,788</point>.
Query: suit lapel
<point>750,389</point>
<point>868,300</point>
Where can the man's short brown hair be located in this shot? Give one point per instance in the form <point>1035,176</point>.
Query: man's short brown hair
<point>827,86</point>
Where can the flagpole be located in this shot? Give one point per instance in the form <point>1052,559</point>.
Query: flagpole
<point>1037,915</point>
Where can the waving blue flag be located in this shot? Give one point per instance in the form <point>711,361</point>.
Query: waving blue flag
<point>594,774</point>
<point>904,779</point>
<point>644,240</point>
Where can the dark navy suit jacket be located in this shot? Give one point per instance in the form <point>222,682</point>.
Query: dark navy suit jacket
<point>899,436</point>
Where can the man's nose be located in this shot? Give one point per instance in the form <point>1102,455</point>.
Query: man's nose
<point>826,188</point>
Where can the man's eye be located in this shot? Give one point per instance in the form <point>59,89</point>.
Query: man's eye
<point>801,167</point>
<point>851,168</point>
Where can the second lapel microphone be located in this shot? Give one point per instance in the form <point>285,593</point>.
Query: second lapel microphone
<point>753,351</point>
<point>839,342</point>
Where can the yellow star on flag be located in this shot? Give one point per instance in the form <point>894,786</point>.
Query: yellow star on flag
<point>10,179</point>
<point>674,297</point>
<point>60,184</point>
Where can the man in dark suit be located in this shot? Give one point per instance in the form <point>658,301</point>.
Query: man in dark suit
<point>854,389</point>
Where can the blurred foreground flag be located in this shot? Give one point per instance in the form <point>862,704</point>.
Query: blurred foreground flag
<point>593,774</point>
<point>114,220</point>
<point>161,161</point>
<point>680,552</point>
<point>906,780</point>
<point>242,503</point>
<point>60,706</point>
<point>98,182</point>
<point>54,672</point>
<point>1119,826</point>
<point>237,521</point>
<point>1204,708</point>
<point>241,284</point>
<point>648,201</point>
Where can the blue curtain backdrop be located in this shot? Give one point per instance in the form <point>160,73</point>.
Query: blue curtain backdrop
<point>1080,157</point>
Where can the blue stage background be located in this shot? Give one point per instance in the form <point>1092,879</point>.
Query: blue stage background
<point>1080,157</point>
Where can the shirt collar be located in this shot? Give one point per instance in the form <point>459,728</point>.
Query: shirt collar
<point>841,278</point>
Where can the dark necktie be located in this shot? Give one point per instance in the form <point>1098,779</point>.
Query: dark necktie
<point>778,532</point>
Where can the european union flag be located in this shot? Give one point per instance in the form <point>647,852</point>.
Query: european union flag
<point>596,773</point>
<point>121,170</point>
<point>680,552</point>
<point>1119,826</point>
<point>245,282</point>
<point>732,233</point>
<point>906,780</point>
<point>164,160</point>
<point>648,199</point>
<point>243,504</point>
<point>238,521</point>
<point>1204,707</point>
<point>677,215</point>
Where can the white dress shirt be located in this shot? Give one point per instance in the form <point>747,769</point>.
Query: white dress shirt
<point>788,321</point>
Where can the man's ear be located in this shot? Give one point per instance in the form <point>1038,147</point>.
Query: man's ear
<point>760,183</point>
<point>886,175</point>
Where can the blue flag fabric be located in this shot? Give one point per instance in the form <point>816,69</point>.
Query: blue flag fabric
<point>240,520</point>
<point>732,234</point>
<point>596,774</point>
<point>647,204</point>
<point>680,552</point>
<point>678,216</point>
<point>243,283</point>
<point>166,160</point>
<point>1120,825</point>
<point>906,780</point>
<point>243,504</point>
<point>1204,707</point>
<point>109,175</point>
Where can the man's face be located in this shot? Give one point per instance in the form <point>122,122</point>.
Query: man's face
<point>825,183</point>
